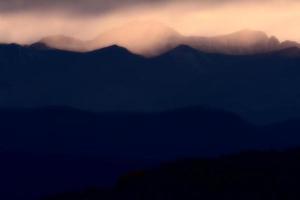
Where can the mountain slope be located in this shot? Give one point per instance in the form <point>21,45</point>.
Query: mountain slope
<point>261,87</point>
<point>249,175</point>
<point>58,130</point>
<point>253,175</point>
<point>162,135</point>
<point>65,149</point>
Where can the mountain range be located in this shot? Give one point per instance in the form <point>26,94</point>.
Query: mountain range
<point>249,175</point>
<point>152,39</point>
<point>57,149</point>
<point>262,88</point>
<point>82,116</point>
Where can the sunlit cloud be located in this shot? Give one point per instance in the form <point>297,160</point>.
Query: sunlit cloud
<point>28,21</point>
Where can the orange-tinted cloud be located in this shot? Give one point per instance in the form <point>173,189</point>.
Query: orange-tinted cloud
<point>25,21</point>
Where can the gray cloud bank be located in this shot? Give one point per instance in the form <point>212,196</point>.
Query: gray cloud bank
<point>101,6</point>
<point>77,6</point>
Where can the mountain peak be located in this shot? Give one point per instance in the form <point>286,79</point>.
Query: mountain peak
<point>183,49</point>
<point>39,46</point>
<point>113,49</point>
<point>151,38</point>
<point>147,38</point>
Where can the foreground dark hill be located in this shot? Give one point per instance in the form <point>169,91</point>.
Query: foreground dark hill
<point>246,176</point>
<point>65,149</point>
<point>262,88</point>
<point>162,135</point>
<point>31,175</point>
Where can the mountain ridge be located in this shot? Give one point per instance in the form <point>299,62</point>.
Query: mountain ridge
<point>161,39</point>
<point>74,149</point>
<point>114,79</point>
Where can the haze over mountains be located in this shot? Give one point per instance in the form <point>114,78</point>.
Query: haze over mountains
<point>154,94</point>
<point>152,39</point>
<point>93,89</point>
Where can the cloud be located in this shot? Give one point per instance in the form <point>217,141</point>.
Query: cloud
<point>103,6</point>
<point>73,6</point>
<point>25,21</point>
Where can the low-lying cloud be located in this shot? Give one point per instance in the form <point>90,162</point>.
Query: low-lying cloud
<point>25,21</point>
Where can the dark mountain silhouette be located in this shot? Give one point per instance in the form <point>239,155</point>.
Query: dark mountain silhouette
<point>30,175</point>
<point>162,135</point>
<point>247,176</point>
<point>64,149</point>
<point>82,119</point>
<point>251,175</point>
<point>262,87</point>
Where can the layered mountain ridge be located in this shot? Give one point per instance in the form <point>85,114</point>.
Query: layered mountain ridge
<point>152,39</point>
<point>262,87</point>
<point>74,149</point>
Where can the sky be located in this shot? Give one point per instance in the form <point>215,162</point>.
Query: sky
<point>26,21</point>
